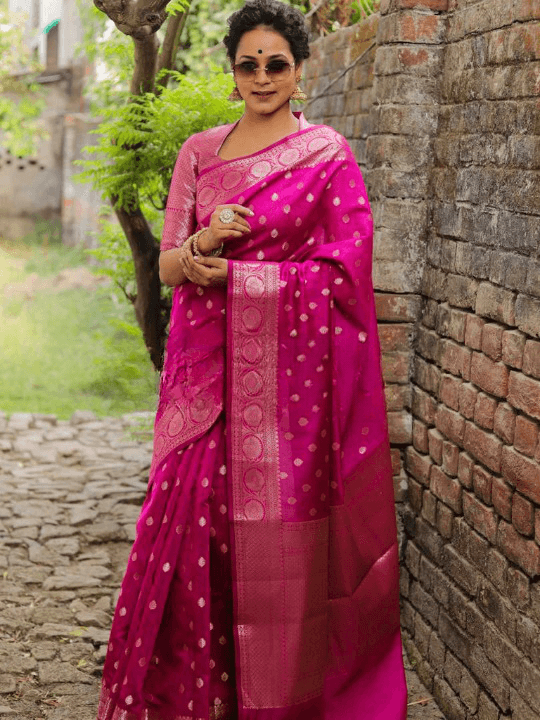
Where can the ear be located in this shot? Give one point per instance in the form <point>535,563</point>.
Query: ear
<point>299,68</point>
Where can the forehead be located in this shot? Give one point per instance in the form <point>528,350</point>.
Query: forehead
<point>263,38</point>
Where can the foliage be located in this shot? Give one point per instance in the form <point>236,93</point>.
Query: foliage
<point>21,100</point>
<point>335,14</point>
<point>112,54</point>
<point>362,9</point>
<point>138,142</point>
<point>113,256</point>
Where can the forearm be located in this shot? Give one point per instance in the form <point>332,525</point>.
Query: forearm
<point>170,269</point>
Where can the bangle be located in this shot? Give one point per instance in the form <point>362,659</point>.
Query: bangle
<point>193,243</point>
<point>216,252</point>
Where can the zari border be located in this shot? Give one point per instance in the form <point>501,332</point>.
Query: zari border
<point>310,148</point>
<point>255,482</point>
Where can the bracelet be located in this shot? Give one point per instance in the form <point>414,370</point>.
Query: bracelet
<point>195,245</point>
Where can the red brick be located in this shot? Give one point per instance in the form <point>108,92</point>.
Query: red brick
<point>473,332</point>
<point>429,507</point>
<point>414,494</point>
<point>419,466</point>
<point>394,337</point>
<point>531,358</point>
<point>522,473</point>
<point>537,526</point>
<point>483,446</point>
<point>450,458</point>
<point>420,28</point>
<point>518,550</point>
<point>435,441</point>
<point>445,520</point>
<point>400,427</point>
<point>488,375</point>
<point>504,423</point>
<point>484,411</point>
<point>446,489</point>
<point>526,436</point>
<point>395,366</point>
<point>420,436</point>
<point>400,488</point>
<point>518,587</point>
<point>423,406</point>
<point>513,345</point>
<point>501,496</point>
<point>396,461</point>
<point>480,517</point>
<point>467,400</point>
<point>492,341</point>
<point>524,394</point>
<point>482,483</point>
<point>465,470</point>
<point>451,424</point>
<point>398,397</point>
<point>397,308</point>
<point>426,375</point>
<point>522,515</point>
<point>449,391</point>
<point>441,5</point>
<point>455,358</point>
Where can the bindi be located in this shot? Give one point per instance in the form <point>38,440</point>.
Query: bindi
<point>260,52</point>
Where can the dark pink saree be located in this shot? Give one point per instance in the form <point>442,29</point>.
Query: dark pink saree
<point>263,581</point>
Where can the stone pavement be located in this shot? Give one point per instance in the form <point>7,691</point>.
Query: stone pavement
<point>71,493</point>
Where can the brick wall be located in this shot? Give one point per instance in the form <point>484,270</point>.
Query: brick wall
<point>450,150</point>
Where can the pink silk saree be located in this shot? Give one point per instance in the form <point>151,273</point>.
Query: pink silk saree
<point>263,582</point>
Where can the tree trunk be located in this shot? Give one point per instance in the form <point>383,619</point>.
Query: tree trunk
<point>144,72</point>
<point>147,304</point>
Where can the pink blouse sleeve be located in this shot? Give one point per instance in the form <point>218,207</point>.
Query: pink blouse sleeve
<point>180,219</point>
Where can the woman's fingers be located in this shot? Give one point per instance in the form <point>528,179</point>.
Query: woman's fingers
<point>240,209</point>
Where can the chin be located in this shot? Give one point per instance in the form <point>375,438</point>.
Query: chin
<point>268,108</point>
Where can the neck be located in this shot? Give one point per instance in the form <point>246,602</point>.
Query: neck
<point>281,119</point>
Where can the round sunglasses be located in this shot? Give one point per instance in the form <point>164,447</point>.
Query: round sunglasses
<point>275,70</point>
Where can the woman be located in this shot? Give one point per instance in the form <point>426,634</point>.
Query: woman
<point>263,581</point>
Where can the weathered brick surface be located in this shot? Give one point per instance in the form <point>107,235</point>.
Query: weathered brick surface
<point>447,130</point>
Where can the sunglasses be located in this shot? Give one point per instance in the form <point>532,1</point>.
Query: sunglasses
<point>275,70</point>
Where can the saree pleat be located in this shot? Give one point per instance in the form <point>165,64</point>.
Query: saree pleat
<point>170,654</point>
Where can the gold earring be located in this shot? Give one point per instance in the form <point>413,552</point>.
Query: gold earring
<point>235,95</point>
<point>299,95</point>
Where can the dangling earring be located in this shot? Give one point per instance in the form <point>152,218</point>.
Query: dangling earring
<point>298,94</point>
<point>235,95</point>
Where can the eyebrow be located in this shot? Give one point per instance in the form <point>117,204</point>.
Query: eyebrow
<point>253,57</point>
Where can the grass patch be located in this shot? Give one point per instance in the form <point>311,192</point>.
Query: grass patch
<point>68,350</point>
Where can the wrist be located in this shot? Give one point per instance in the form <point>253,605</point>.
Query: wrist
<point>205,246</point>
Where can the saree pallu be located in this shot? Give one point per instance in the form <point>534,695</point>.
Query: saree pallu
<point>263,581</point>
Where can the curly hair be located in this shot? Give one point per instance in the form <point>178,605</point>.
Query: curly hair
<point>284,19</point>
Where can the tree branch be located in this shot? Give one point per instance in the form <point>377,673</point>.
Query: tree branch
<point>167,56</point>
<point>138,18</point>
<point>144,71</point>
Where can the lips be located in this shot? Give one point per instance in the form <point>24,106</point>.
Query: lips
<point>264,94</point>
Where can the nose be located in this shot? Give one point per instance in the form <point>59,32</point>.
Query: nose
<point>261,79</point>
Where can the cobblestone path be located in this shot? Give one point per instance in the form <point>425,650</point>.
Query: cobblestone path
<point>71,493</point>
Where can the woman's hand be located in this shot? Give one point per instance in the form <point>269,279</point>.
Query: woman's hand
<point>204,271</point>
<point>219,231</point>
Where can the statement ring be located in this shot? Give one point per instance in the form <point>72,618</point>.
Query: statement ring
<point>226,216</point>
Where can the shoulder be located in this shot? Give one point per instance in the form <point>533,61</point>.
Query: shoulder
<point>208,139</point>
<point>327,142</point>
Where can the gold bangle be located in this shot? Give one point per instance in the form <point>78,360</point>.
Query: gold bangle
<point>216,252</point>
<point>193,243</point>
